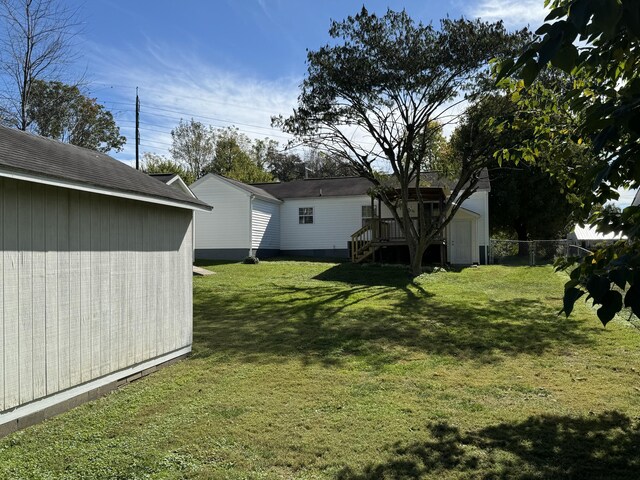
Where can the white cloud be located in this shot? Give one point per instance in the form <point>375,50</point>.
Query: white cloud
<point>175,85</point>
<point>515,13</point>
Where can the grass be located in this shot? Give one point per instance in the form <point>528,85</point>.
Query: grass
<point>314,370</point>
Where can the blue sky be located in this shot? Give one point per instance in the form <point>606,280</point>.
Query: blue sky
<point>226,62</point>
<point>233,62</point>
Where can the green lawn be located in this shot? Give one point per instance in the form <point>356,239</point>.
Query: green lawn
<point>318,370</point>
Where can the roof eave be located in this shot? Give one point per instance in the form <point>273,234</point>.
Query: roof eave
<point>83,187</point>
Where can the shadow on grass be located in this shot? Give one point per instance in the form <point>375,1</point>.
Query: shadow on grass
<point>290,258</point>
<point>379,315</point>
<point>602,446</point>
<point>370,275</point>
<point>202,262</point>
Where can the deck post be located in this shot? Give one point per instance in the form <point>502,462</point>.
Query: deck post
<point>379,219</point>
<point>373,219</point>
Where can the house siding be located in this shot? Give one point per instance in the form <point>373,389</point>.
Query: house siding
<point>91,285</point>
<point>335,219</point>
<point>224,232</point>
<point>265,225</point>
<point>478,202</point>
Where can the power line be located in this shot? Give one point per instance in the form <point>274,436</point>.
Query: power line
<point>159,142</point>
<point>213,119</point>
<point>185,97</point>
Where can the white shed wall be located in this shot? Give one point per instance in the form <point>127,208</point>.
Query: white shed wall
<point>227,226</point>
<point>335,219</point>
<point>265,224</point>
<point>91,285</point>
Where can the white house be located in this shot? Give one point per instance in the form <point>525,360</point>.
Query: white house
<point>245,221</point>
<point>324,218</point>
<point>96,275</point>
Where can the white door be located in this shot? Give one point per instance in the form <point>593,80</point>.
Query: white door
<point>461,242</point>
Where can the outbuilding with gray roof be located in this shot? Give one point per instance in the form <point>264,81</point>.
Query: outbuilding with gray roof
<point>95,261</point>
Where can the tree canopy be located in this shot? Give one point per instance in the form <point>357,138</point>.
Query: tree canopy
<point>597,42</point>
<point>232,158</point>
<point>198,149</point>
<point>380,91</point>
<point>193,146</point>
<point>35,45</point>
<point>62,112</point>
<point>152,163</point>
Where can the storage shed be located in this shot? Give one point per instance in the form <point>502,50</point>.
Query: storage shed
<point>95,275</point>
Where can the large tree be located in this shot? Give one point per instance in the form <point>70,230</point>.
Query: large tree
<point>319,164</point>
<point>529,202</point>
<point>374,95</point>
<point>61,111</point>
<point>193,146</point>
<point>286,166</point>
<point>233,158</point>
<point>35,44</point>
<point>598,43</point>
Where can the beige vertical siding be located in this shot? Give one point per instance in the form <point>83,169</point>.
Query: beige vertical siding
<point>89,285</point>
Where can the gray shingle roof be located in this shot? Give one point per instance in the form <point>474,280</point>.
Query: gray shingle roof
<point>23,152</point>
<point>317,187</point>
<point>163,177</point>
<point>254,189</point>
<point>347,186</point>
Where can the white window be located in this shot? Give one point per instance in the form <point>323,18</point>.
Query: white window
<point>305,215</point>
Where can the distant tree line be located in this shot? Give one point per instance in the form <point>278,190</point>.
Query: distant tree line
<point>198,149</point>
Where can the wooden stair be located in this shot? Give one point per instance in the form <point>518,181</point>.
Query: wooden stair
<point>362,247</point>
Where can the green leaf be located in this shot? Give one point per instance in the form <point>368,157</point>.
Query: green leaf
<point>556,13</point>
<point>504,68</point>
<point>530,72</point>
<point>597,287</point>
<point>606,15</point>
<point>611,304</point>
<point>570,296</point>
<point>632,299</point>
<point>550,45</point>
<point>619,277</point>
<point>579,13</point>
<point>566,58</point>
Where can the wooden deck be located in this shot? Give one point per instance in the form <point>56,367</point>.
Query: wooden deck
<point>377,233</point>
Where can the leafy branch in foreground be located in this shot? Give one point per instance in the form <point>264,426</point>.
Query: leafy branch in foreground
<point>597,42</point>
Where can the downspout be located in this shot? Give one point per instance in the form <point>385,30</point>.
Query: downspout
<point>251,197</point>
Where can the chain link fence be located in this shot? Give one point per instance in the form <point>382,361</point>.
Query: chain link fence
<point>531,252</point>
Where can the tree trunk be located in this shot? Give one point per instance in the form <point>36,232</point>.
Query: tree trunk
<point>523,245</point>
<point>416,261</point>
<point>417,247</point>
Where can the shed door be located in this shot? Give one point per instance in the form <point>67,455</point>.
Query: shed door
<point>461,242</point>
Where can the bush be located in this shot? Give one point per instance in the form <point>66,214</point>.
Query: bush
<point>251,260</point>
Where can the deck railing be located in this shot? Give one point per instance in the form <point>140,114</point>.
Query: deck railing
<point>361,241</point>
<point>387,229</point>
